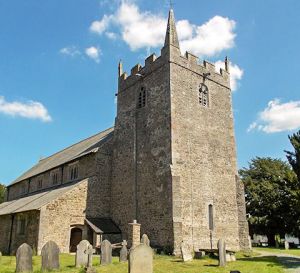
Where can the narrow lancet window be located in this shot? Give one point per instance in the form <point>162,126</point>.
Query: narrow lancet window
<point>210,217</point>
<point>141,98</point>
<point>203,95</point>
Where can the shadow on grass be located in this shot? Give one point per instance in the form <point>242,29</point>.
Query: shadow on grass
<point>290,262</point>
<point>285,262</point>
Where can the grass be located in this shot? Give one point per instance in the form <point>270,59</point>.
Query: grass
<point>295,252</point>
<point>162,264</point>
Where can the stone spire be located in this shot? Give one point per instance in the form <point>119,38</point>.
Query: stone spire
<point>171,34</point>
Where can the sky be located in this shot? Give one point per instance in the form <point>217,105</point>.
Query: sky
<point>58,68</point>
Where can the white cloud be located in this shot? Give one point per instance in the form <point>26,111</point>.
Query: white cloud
<point>145,29</point>
<point>70,51</point>
<point>111,35</point>
<point>30,109</point>
<point>278,117</point>
<point>236,73</point>
<point>211,38</point>
<point>93,53</point>
<point>100,26</point>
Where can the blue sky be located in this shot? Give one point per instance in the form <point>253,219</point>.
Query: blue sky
<point>58,68</point>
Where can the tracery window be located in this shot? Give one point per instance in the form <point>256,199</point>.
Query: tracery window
<point>203,95</point>
<point>141,98</point>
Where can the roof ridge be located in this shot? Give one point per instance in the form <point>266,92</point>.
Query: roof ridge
<point>75,144</point>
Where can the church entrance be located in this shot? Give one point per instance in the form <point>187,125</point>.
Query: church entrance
<point>76,237</point>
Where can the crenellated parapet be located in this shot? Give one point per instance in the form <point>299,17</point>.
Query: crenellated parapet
<point>188,61</point>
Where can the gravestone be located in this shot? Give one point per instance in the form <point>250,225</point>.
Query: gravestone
<point>24,258</point>
<point>141,259</point>
<point>90,251</point>
<point>145,240</point>
<point>186,252</point>
<point>0,256</point>
<point>124,252</point>
<point>50,256</point>
<point>81,255</point>
<point>286,244</point>
<point>232,257</point>
<point>228,258</point>
<point>222,252</point>
<point>106,252</point>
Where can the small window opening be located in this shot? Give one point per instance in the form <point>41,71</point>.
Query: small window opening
<point>21,225</point>
<point>40,184</point>
<point>142,98</point>
<point>74,172</point>
<point>203,95</point>
<point>54,178</point>
<point>210,217</point>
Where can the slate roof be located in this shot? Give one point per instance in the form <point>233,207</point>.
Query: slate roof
<point>103,225</point>
<point>35,201</point>
<point>73,152</point>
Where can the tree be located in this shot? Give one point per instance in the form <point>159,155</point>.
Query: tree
<point>2,193</point>
<point>269,185</point>
<point>294,159</point>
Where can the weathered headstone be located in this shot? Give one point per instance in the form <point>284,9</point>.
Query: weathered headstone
<point>286,244</point>
<point>145,240</point>
<point>50,256</point>
<point>124,252</point>
<point>186,252</point>
<point>24,258</point>
<point>90,251</point>
<point>81,255</point>
<point>106,252</point>
<point>222,252</point>
<point>228,258</point>
<point>141,259</point>
<point>134,234</point>
<point>0,256</point>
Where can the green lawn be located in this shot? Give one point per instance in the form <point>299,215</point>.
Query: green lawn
<point>163,264</point>
<point>279,250</point>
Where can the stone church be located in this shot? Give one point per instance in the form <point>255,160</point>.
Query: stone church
<point>169,162</point>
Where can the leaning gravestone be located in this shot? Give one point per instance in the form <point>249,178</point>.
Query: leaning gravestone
<point>106,252</point>
<point>185,252</point>
<point>145,240</point>
<point>124,252</point>
<point>50,256</point>
<point>222,252</point>
<point>141,259</point>
<point>24,259</point>
<point>81,255</point>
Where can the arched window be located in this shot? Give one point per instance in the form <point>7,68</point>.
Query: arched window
<point>203,95</point>
<point>141,98</point>
<point>210,217</point>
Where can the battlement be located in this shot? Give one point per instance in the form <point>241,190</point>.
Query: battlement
<point>188,60</point>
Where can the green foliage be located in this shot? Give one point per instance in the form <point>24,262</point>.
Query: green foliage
<point>2,193</point>
<point>269,189</point>
<point>294,159</point>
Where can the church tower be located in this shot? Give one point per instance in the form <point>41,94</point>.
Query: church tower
<point>174,156</point>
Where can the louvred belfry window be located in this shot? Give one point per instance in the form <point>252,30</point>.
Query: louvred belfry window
<point>203,95</point>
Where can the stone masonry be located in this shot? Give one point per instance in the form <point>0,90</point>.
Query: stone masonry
<point>169,162</point>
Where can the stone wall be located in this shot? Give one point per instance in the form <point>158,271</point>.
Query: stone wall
<point>99,189</point>
<point>5,228</point>
<point>203,155</point>
<point>60,215</point>
<point>11,237</point>
<point>141,180</point>
<point>86,168</point>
